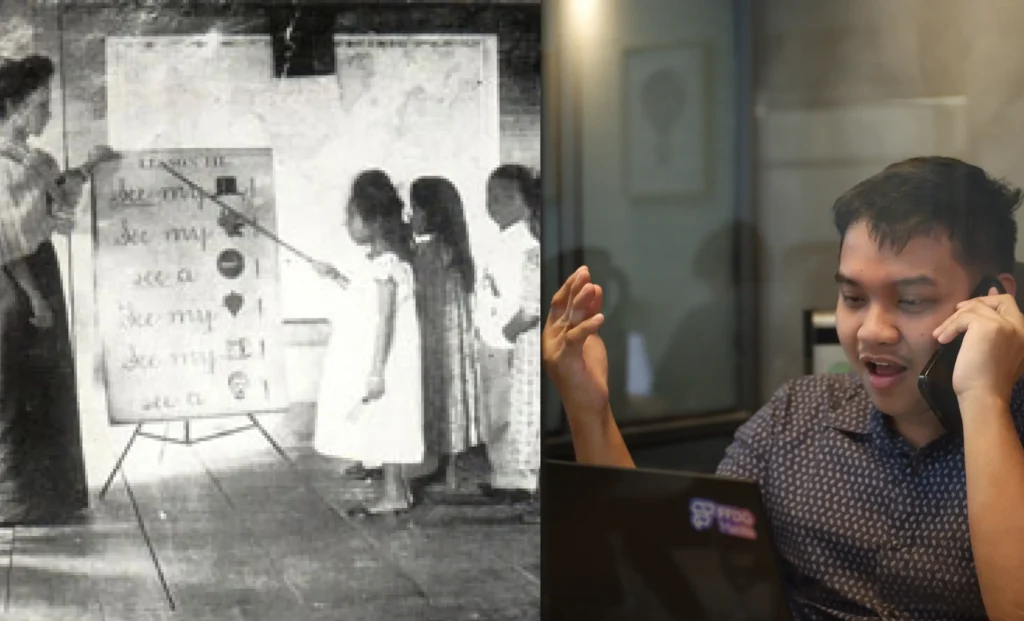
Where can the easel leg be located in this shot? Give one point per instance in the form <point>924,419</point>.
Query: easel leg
<point>120,461</point>
<point>188,433</point>
<point>273,443</point>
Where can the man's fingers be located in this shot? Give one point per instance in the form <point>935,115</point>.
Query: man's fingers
<point>562,295</point>
<point>577,335</point>
<point>587,304</point>
<point>1003,303</point>
<point>962,319</point>
<point>949,328</point>
<point>583,305</point>
<point>580,281</point>
<point>597,302</point>
<point>560,301</point>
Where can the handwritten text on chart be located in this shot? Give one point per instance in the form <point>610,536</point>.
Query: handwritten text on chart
<point>133,318</point>
<point>183,282</point>
<point>157,279</point>
<point>207,360</point>
<point>193,161</point>
<point>135,196</point>
<point>133,236</point>
<point>126,194</point>
<point>170,403</point>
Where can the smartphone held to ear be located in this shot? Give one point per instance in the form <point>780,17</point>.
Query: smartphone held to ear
<point>936,380</point>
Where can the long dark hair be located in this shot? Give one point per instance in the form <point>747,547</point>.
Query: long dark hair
<point>377,202</point>
<point>21,78</point>
<point>443,214</point>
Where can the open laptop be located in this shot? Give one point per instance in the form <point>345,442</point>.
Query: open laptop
<point>646,545</point>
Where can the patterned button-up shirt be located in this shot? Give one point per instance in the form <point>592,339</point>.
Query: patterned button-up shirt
<point>866,526</point>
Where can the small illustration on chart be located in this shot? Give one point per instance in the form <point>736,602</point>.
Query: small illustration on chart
<point>233,302</point>
<point>227,193</point>
<point>239,349</point>
<point>230,263</point>
<point>238,382</point>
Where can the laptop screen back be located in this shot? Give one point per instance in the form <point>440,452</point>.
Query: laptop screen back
<point>651,546</point>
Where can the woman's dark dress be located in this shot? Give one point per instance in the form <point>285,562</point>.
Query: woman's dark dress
<point>42,469</point>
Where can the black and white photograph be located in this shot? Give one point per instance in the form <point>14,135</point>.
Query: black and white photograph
<point>270,310</point>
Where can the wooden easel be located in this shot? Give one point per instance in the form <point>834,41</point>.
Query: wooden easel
<point>188,440</point>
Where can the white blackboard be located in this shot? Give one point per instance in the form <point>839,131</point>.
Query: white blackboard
<point>188,305</point>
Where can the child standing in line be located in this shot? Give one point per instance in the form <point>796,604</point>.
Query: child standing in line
<point>512,333</point>
<point>446,276</point>
<point>524,331</point>
<point>370,408</point>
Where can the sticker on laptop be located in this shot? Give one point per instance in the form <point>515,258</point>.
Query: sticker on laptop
<point>732,521</point>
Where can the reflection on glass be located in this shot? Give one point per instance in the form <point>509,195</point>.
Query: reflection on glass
<point>655,135</point>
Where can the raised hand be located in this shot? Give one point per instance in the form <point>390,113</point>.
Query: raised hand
<point>991,359</point>
<point>326,270</point>
<point>42,314</point>
<point>374,388</point>
<point>574,355</point>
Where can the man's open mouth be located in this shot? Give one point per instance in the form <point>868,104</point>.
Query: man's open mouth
<point>885,369</point>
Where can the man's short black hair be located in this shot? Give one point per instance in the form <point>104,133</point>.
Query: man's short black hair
<point>925,196</point>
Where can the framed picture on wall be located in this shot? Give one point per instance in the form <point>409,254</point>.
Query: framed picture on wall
<point>667,114</point>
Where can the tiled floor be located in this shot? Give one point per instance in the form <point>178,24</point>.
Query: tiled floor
<point>228,530</point>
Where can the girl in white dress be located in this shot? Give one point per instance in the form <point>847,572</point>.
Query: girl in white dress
<point>370,407</point>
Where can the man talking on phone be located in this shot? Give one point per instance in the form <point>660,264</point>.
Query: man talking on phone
<point>876,511</point>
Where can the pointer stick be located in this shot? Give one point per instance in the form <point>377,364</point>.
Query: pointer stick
<point>240,216</point>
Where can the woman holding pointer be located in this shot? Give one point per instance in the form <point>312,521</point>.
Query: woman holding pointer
<point>42,471</point>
